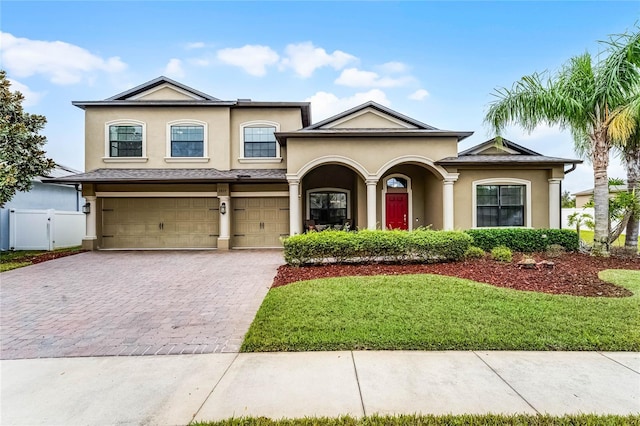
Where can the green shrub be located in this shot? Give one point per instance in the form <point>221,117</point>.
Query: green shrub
<point>502,254</point>
<point>555,250</point>
<point>373,245</point>
<point>524,240</point>
<point>474,252</point>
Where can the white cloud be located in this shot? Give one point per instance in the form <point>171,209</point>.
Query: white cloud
<point>254,59</point>
<point>30,97</point>
<point>353,77</point>
<point>324,104</point>
<point>174,69</point>
<point>305,58</point>
<point>419,95</point>
<point>393,67</point>
<point>195,45</point>
<point>61,62</point>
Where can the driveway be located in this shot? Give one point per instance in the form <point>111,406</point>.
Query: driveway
<point>133,303</point>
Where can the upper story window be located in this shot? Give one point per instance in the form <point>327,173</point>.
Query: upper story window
<point>258,142</point>
<point>187,141</point>
<point>500,205</point>
<point>125,141</point>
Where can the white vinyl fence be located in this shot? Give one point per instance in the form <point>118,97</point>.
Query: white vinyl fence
<point>566,212</point>
<point>45,229</point>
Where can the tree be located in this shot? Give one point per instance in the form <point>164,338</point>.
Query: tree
<point>21,155</point>
<point>567,200</point>
<point>582,97</point>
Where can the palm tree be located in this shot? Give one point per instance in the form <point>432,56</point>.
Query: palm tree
<point>584,98</point>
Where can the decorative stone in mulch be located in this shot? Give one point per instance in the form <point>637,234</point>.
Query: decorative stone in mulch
<point>572,273</point>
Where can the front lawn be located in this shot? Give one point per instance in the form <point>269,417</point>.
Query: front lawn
<point>587,237</point>
<point>431,312</point>
<point>431,420</point>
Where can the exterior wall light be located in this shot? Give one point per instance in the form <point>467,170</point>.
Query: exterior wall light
<point>86,208</point>
<point>223,208</point>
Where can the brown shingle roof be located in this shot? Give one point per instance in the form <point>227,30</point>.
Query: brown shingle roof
<point>174,175</point>
<point>504,160</point>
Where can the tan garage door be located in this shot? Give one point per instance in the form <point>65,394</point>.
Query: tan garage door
<point>259,222</point>
<point>159,222</point>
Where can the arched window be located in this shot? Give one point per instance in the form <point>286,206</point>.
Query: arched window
<point>396,182</point>
<point>258,141</point>
<point>125,140</point>
<point>186,139</point>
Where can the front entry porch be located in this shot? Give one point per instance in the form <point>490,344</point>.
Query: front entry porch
<point>342,195</point>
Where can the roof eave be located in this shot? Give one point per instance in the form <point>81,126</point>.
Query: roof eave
<point>282,137</point>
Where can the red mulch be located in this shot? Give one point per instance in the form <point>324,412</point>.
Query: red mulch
<point>573,273</point>
<point>43,257</point>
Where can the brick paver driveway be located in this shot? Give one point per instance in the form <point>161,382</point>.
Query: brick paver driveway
<point>133,303</point>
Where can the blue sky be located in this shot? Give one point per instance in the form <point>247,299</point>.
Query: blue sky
<point>437,62</point>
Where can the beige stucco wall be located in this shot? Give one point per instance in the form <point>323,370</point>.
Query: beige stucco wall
<point>463,203</point>
<point>369,120</point>
<point>370,153</point>
<point>223,134</point>
<point>165,94</point>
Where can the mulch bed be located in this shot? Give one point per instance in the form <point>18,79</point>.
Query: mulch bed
<point>573,273</point>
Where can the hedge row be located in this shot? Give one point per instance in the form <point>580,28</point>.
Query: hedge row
<point>368,245</point>
<point>524,240</point>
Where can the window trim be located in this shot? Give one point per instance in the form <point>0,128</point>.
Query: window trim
<point>259,123</point>
<point>501,181</point>
<point>409,193</point>
<point>327,189</point>
<point>205,145</point>
<point>107,151</point>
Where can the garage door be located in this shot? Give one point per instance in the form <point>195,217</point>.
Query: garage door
<point>260,222</point>
<point>159,222</point>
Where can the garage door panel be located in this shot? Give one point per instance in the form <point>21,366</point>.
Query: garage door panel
<point>160,222</point>
<point>260,221</point>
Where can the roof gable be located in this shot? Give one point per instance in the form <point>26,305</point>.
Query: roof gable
<point>162,88</point>
<point>370,115</point>
<point>498,146</point>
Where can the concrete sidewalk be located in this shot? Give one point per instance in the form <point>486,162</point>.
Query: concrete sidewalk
<point>177,389</point>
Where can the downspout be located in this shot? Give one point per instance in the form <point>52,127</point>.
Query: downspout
<point>566,172</point>
<point>77,186</point>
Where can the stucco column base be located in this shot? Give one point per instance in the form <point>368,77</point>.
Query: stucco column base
<point>90,244</point>
<point>223,243</point>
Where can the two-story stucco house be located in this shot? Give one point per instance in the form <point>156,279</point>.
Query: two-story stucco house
<point>171,167</point>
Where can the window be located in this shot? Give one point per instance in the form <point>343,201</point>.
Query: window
<point>396,182</point>
<point>125,141</point>
<point>260,142</point>
<point>328,208</point>
<point>187,141</point>
<point>500,205</point>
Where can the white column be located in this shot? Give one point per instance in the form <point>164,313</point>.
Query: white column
<point>447,204</point>
<point>225,218</point>
<point>371,203</point>
<point>554,203</point>
<point>294,207</point>
<point>91,218</point>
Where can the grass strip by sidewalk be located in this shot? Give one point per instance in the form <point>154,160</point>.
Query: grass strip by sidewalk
<point>431,420</point>
<point>432,312</point>
<point>17,259</point>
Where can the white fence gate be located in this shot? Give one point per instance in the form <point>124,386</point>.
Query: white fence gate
<point>45,229</point>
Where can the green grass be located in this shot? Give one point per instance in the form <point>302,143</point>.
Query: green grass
<point>17,259</point>
<point>431,420</point>
<point>431,312</point>
<point>587,237</point>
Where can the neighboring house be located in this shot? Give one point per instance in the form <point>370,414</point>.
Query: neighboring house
<point>583,197</point>
<point>42,196</point>
<point>172,167</point>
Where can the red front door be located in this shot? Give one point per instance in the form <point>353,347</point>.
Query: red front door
<point>397,212</point>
